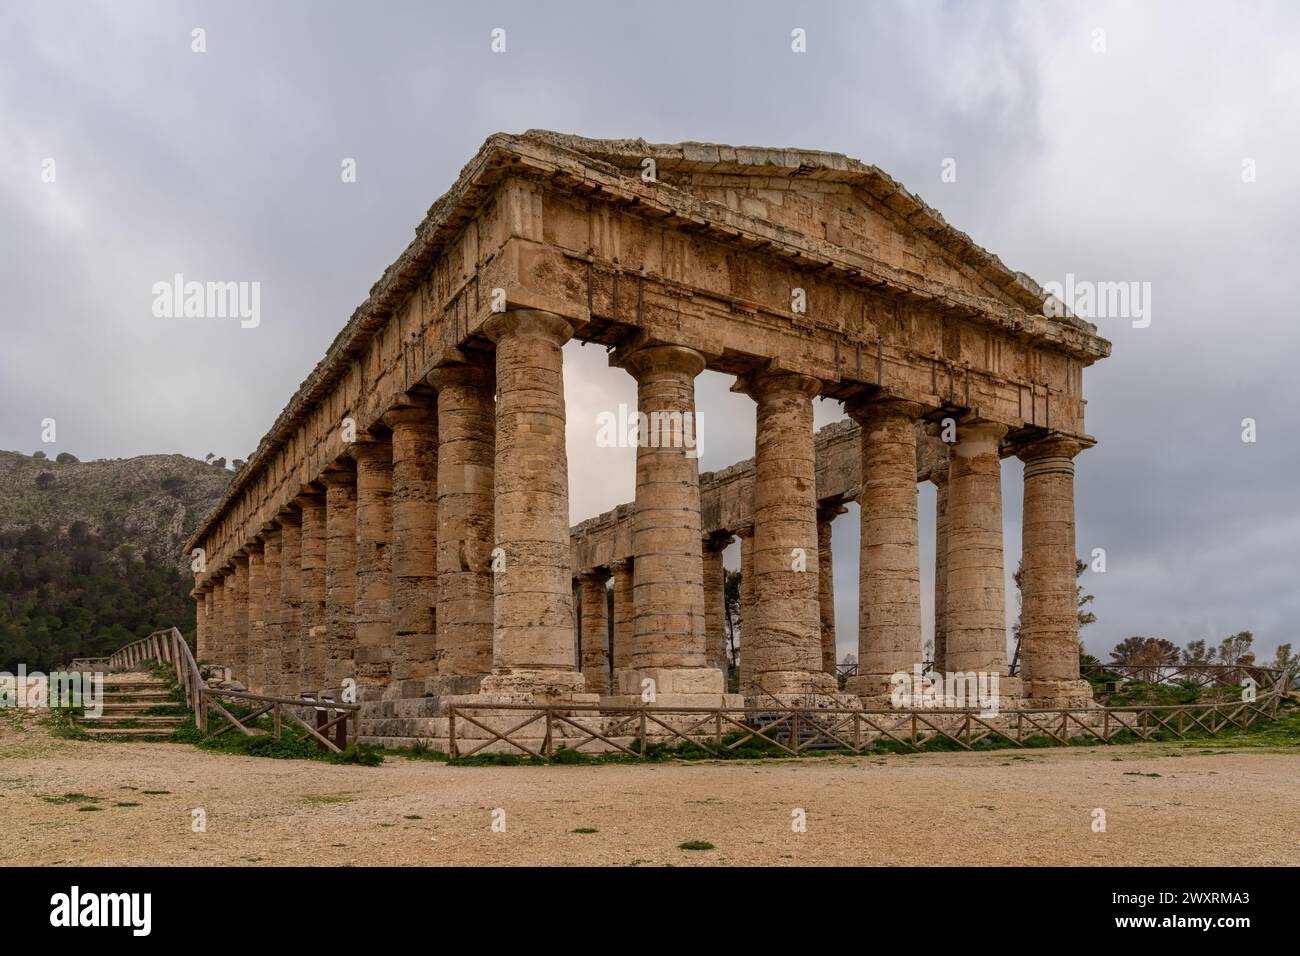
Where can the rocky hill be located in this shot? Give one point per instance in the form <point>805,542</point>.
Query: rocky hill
<point>90,551</point>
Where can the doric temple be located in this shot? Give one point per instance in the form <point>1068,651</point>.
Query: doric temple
<point>405,524</point>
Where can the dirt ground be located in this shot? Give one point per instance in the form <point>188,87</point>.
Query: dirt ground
<point>1164,804</point>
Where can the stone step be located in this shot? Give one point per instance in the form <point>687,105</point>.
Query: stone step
<point>158,719</point>
<point>159,732</point>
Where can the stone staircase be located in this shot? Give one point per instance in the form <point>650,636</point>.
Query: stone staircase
<point>128,699</point>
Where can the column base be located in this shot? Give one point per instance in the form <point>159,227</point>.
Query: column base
<point>535,687</point>
<point>798,683</point>
<point>1054,694</point>
<point>439,685</point>
<point>669,681</point>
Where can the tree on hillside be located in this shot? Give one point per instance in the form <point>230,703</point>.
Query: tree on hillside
<point>1288,664</point>
<point>1197,653</point>
<point>1235,650</point>
<point>45,480</point>
<point>67,458</point>
<point>1148,653</point>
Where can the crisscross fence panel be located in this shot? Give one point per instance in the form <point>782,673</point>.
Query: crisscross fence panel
<point>540,731</point>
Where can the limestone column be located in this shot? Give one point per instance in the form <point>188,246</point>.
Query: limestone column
<point>253,675</point>
<point>532,646</point>
<point>976,614</point>
<point>466,459</point>
<point>940,479</point>
<point>1049,613</point>
<point>826,583</point>
<point>202,606</point>
<point>595,630</point>
<point>621,640</point>
<point>889,572</point>
<point>217,651</point>
<point>415,543</point>
<point>668,639</point>
<point>746,536</point>
<point>340,482</point>
<point>273,633</point>
<point>290,641</point>
<point>238,656</point>
<point>374,558</point>
<point>786,636</point>
<point>313,590</point>
<point>715,596</point>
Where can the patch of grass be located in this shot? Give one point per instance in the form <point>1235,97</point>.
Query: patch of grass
<point>292,744</point>
<point>413,816</point>
<point>586,830</point>
<point>156,793</point>
<point>127,804</point>
<point>72,798</point>
<point>89,808</point>
<point>695,845</point>
<point>327,798</point>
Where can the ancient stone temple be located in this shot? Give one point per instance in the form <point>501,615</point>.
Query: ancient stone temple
<point>404,523</point>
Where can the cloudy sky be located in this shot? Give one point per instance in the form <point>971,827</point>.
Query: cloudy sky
<point>1104,140</point>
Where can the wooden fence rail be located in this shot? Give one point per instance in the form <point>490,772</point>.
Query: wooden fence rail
<point>532,730</point>
<point>169,647</point>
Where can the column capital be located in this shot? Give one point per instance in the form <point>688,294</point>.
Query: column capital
<point>528,322</point>
<point>290,515</point>
<point>771,381</point>
<point>598,575</point>
<point>620,566</point>
<point>976,436</point>
<point>646,360</point>
<point>413,410</point>
<point>867,408</point>
<point>463,374</point>
<point>829,511</point>
<point>744,530</point>
<point>1049,445</point>
<point>341,472</point>
<point>370,451</point>
<point>717,540</point>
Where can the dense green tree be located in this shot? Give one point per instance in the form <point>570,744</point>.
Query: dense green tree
<point>74,593</point>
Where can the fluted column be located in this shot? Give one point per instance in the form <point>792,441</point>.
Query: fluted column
<point>621,640</point>
<point>202,609</point>
<point>786,637</point>
<point>374,557</point>
<point>252,674</point>
<point>415,543</point>
<point>940,480</point>
<point>668,642</point>
<point>746,536</point>
<point>889,573</point>
<point>1049,612</point>
<point>532,647</point>
<point>219,645</point>
<point>238,655</point>
<point>595,630</point>
<point>340,482</point>
<point>466,460</point>
<point>826,583</point>
<point>976,613</point>
<point>715,597</point>
<point>272,631</point>
<point>291,643</point>
<point>314,592</point>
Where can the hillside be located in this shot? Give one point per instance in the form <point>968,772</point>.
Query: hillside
<point>90,551</point>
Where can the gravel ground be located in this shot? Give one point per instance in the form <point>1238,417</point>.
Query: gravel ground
<point>1164,804</point>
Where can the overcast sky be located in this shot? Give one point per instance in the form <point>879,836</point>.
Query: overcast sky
<point>1115,164</point>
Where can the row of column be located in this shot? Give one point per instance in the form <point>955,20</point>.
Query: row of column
<point>441,550</point>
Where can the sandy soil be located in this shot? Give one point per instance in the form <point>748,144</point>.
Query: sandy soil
<point>1164,804</point>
